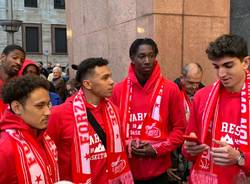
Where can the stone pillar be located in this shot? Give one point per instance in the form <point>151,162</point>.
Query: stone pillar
<point>181,28</point>
<point>240,19</point>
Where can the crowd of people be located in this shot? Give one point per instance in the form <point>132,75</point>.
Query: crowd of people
<point>145,129</point>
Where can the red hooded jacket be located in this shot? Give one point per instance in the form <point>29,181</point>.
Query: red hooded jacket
<point>229,114</point>
<point>8,170</point>
<point>54,97</point>
<point>26,63</point>
<point>172,114</point>
<point>61,130</point>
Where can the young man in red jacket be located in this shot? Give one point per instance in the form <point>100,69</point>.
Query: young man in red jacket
<point>153,118</point>
<point>86,130</point>
<point>220,117</point>
<point>11,61</point>
<point>27,154</point>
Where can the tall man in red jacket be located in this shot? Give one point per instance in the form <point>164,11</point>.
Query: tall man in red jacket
<point>152,113</point>
<point>27,154</point>
<point>11,61</point>
<point>220,117</point>
<point>86,130</point>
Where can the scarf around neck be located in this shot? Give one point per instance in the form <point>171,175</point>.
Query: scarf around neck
<point>152,127</point>
<point>204,170</point>
<point>30,164</point>
<point>117,164</point>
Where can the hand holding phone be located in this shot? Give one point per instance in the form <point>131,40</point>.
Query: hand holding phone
<point>191,139</point>
<point>193,145</point>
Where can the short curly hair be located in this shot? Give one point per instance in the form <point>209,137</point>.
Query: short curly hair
<point>227,45</point>
<point>19,88</point>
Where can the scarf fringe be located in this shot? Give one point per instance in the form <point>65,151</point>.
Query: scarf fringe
<point>125,178</point>
<point>199,177</point>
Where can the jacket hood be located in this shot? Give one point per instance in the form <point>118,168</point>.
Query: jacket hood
<point>26,63</point>
<point>12,121</point>
<point>152,79</point>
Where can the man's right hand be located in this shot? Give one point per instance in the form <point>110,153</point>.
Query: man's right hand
<point>193,148</point>
<point>142,149</point>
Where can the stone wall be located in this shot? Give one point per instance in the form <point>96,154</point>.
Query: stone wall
<point>182,29</point>
<point>44,14</point>
<point>240,19</point>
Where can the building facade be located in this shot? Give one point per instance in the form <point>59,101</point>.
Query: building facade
<point>43,30</point>
<point>181,28</point>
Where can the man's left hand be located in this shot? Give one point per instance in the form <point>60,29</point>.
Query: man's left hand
<point>144,151</point>
<point>225,154</point>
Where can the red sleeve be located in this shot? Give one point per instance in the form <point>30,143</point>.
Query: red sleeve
<point>176,122</point>
<point>115,98</point>
<point>193,125</point>
<point>7,163</point>
<point>53,129</point>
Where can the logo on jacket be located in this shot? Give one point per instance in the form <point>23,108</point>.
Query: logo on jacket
<point>118,166</point>
<point>153,131</point>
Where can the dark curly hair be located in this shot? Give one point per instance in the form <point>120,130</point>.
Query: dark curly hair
<point>87,66</point>
<point>227,45</point>
<point>19,88</point>
<point>142,41</point>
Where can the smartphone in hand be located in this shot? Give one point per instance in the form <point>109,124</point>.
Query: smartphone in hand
<point>191,139</point>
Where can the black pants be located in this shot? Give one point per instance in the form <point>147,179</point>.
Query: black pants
<point>162,179</point>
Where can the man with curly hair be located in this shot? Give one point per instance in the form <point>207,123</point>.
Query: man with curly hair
<point>220,117</point>
<point>27,154</point>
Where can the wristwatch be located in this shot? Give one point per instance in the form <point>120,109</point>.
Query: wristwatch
<point>241,159</point>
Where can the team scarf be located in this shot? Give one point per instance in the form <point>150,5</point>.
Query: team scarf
<point>204,170</point>
<point>117,164</point>
<point>152,127</point>
<point>30,165</point>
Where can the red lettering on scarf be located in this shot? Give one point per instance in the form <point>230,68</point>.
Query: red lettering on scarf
<point>31,160</point>
<point>83,129</point>
<point>81,118</point>
<point>78,108</point>
<point>112,115</point>
<point>52,146</point>
<point>78,98</point>
<point>243,132</point>
<point>83,140</point>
